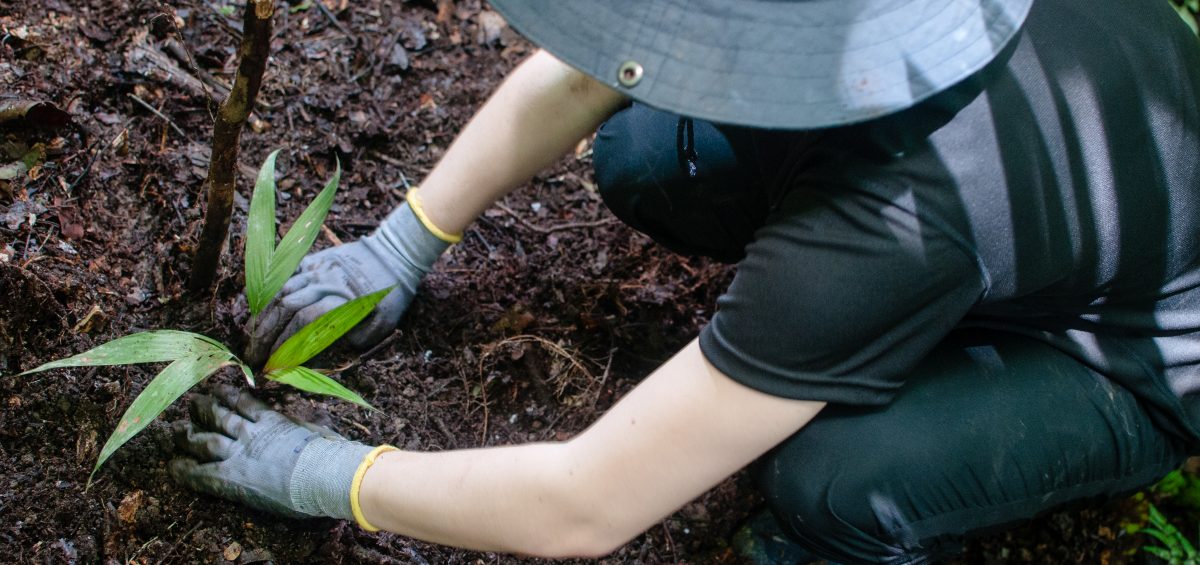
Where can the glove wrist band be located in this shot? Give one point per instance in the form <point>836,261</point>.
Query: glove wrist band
<point>414,202</point>
<point>356,486</point>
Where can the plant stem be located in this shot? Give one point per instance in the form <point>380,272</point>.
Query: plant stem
<point>227,131</point>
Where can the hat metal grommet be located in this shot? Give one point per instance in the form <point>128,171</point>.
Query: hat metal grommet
<point>629,74</point>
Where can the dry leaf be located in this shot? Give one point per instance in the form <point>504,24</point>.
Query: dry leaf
<point>233,551</point>
<point>127,511</point>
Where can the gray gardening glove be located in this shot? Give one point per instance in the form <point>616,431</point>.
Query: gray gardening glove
<point>399,253</point>
<point>248,453</point>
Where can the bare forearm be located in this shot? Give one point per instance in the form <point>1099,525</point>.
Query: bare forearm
<point>681,431</point>
<point>541,110</point>
<point>499,499</point>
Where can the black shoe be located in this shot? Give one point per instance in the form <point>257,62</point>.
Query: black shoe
<point>760,541</point>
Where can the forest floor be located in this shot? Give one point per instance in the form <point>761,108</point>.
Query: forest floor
<point>546,313</point>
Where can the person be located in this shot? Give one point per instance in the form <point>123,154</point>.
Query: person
<point>967,287</point>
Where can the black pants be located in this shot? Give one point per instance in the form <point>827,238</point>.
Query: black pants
<point>990,429</point>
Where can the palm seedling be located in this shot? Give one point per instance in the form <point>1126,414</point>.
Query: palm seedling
<point>194,357</point>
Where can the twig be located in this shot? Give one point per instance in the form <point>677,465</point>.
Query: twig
<point>179,541</point>
<point>491,348</point>
<point>333,19</point>
<point>445,430</point>
<point>333,238</point>
<point>580,225</point>
<point>25,253</point>
<point>370,352</point>
<point>554,228</point>
<point>169,121</point>
<point>483,402</point>
<point>416,556</point>
<point>29,261</point>
<point>670,542</point>
<point>191,61</point>
<point>377,61</point>
<point>396,163</point>
<point>86,169</point>
<point>379,347</point>
<point>484,240</point>
<point>224,21</point>
<point>604,376</point>
<point>360,427</point>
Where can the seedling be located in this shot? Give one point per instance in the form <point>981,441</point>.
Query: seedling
<point>1175,548</point>
<point>195,357</point>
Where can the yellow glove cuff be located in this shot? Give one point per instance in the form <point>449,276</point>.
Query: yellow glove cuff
<point>356,486</point>
<point>414,202</point>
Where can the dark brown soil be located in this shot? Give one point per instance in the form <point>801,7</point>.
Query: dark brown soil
<point>546,313</point>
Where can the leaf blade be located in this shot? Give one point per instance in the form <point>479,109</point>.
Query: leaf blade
<point>323,331</point>
<point>248,373</point>
<point>299,238</point>
<point>164,389</point>
<point>309,380</point>
<point>260,236</point>
<point>144,347</point>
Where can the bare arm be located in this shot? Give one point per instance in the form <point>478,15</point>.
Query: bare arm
<point>541,110</point>
<point>677,434</point>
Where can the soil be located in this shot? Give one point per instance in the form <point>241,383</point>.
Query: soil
<point>547,312</point>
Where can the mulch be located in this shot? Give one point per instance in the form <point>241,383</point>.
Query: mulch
<point>544,315</point>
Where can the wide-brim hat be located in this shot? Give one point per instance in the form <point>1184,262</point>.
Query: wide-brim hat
<point>788,64</point>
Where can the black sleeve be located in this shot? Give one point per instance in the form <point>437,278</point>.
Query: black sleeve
<point>840,294</point>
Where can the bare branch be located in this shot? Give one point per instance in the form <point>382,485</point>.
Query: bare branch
<point>227,131</point>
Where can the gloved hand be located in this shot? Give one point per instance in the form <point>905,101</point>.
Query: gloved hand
<point>248,453</point>
<point>398,253</point>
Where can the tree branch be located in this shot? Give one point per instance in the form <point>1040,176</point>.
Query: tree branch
<point>253,52</point>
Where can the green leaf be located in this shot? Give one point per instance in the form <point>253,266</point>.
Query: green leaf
<point>1156,517</point>
<point>1166,539</point>
<point>166,387</point>
<point>323,331</point>
<point>144,347</point>
<point>309,380</point>
<point>249,373</point>
<point>260,236</point>
<point>297,241</point>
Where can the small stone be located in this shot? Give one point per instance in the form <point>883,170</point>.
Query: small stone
<point>491,25</point>
<point>137,296</point>
<point>108,119</point>
<point>414,36</point>
<point>397,59</point>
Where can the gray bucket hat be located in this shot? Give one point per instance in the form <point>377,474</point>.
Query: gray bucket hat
<point>787,64</point>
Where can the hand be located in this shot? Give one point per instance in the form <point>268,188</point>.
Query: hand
<point>399,253</point>
<point>248,453</point>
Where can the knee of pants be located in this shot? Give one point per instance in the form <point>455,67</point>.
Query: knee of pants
<point>840,515</point>
<point>678,181</point>
<point>632,155</point>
